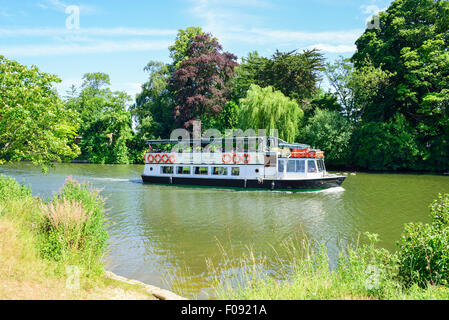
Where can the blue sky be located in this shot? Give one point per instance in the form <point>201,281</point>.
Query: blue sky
<point>120,37</point>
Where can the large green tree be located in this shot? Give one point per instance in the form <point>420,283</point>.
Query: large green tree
<point>331,132</point>
<point>358,90</point>
<point>179,51</point>
<point>389,145</point>
<point>106,125</point>
<point>266,108</point>
<point>411,44</point>
<point>153,109</point>
<point>294,74</point>
<point>34,124</point>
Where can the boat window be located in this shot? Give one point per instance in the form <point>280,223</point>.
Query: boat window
<point>183,170</point>
<point>291,165</point>
<point>311,166</point>
<point>166,170</point>
<point>270,160</point>
<point>281,166</point>
<point>235,171</point>
<point>220,171</point>
<point>300,166</point>
<point>320,164</point>
<point>202,170</point>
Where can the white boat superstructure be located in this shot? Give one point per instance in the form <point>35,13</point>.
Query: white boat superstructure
<point>287,166</point>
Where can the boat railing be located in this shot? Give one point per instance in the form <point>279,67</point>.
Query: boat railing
<point>224,158</point>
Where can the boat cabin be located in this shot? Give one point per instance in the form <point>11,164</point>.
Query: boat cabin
<point>280,161</point>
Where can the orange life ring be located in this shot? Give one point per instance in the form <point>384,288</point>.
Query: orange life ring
<point>157,158</point>
<point>164,158</point>
<point>239,158</point>
<point>226,155</point>
<point>150,158</point>
<point>246,158</point>
<point>172,158</point>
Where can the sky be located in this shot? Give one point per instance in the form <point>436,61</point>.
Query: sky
<point>70,38</point>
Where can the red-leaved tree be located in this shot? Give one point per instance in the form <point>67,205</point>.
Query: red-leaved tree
<point>201,84</point>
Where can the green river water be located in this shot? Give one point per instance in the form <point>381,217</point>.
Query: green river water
<point>162,233</point>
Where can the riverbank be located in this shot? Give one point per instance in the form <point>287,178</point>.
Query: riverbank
<point>418,270</point>
<point>362,273</point>
<point>25,273</point>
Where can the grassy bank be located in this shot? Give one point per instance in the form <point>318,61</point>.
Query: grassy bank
<point>419,269</point>
<point>54,249</point>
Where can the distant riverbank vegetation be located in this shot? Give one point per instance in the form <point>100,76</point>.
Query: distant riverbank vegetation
<point>387,107</point>
<point>419,269</point>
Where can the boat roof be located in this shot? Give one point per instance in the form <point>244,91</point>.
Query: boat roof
<point>280,143</point>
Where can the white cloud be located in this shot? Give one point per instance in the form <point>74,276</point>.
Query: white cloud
<point>371,9</point>
<point>51,32</point>
<point>75,49</point>
<point>61,6</point>
<point>226,21</point>
<point>289,36</point>
<point>333,49</point>
<point>5,13</point>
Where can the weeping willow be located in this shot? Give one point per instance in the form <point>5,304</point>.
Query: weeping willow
<point>265,108</point>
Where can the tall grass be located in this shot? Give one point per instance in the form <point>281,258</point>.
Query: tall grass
<point>67,219</point>
<point>418,270</point>
<point>38,241</point>
<point>362,272</point>
<point>69,229</point>
<point>72,227</point>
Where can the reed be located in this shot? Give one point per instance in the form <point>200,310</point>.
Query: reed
<point>303,272</point>
<point>68,219</point>
<point>72,227</point>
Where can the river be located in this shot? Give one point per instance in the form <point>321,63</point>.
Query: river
<point>160,234</point>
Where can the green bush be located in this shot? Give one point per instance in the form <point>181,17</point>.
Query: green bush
<point>423,253</point>
<point>385,145</point>
<point>73,226</point>
<point>10,189</point>
<point>331,132</point>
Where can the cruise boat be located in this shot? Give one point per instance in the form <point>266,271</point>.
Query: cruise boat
<point>271,164</point>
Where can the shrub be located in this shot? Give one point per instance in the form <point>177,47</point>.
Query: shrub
<point>385,145</point>
<point>10,189</point>
<point>424,248</point>
<point>73,225</point>
<point>331,132</point>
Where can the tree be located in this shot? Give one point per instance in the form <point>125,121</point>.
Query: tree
<point>265,108</point>
<point>339,75</point>
<point>248,72</point>
<point>227,119</point>
<point>201,85</point>
<point>324,101</point>
<point>34,124</point>
<point>179,51</point>
<point>412,45</point>
<point>153,109</point>
<point>294,74</point>
<point>106,124</point>
<point>388,145</point>
<point>331,132</point>
<point>358,90</point>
